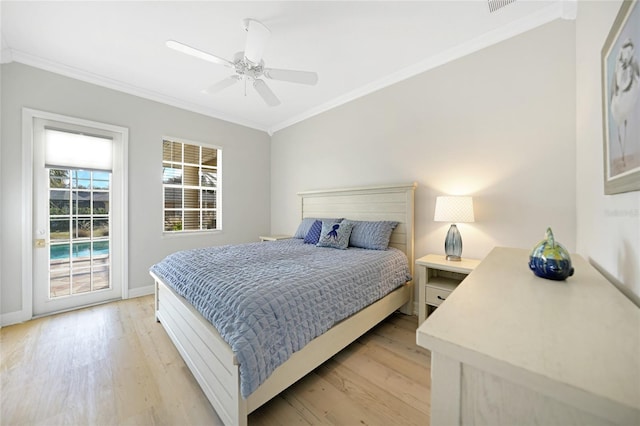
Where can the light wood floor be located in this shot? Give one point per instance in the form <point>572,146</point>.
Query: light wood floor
<point>114,365</point>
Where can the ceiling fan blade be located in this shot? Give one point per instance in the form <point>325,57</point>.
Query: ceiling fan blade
<point>257,37</point>
<point>302,77</point>
<point>266,93</point>
<point>221,85</point>
<point>181,47</point>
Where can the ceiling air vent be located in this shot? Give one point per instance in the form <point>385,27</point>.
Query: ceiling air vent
<point>497,4</point>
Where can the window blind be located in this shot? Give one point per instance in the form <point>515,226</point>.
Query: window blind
<point>77,151</point>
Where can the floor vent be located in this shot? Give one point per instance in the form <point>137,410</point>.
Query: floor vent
<point>497,4</point>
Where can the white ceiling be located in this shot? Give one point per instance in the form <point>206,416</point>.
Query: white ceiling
<point>355,47</point>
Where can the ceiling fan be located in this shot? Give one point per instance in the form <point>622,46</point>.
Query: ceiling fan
<point>248,65</point>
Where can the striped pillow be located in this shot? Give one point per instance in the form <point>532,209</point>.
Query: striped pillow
<point>371,235</point>
<point>313,235</point>
<point>305,226</point>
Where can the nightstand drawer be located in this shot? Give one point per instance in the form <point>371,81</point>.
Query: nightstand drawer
<point>438,277</point>
<point>435,296</point>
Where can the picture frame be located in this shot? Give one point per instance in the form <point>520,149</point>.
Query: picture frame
<point>621,101</point>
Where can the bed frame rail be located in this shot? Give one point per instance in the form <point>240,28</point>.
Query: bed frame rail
<point>327,345</point>
<point>207,355</point>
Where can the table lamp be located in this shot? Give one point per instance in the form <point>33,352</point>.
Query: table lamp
<point>453,209</point>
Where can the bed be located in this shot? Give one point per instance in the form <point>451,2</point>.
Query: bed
<point>214,363</point>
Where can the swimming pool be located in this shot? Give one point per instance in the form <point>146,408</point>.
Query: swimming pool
<point>79,250</point>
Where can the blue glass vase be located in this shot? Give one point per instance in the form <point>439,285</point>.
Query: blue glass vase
<point>549,259</point>
<point>453,244</point>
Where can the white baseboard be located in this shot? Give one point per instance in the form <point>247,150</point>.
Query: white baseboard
<point>141,291</point>
<point>22,316</point>
<point>13,318</point>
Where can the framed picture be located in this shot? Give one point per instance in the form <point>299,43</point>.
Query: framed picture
<point>621,101</point>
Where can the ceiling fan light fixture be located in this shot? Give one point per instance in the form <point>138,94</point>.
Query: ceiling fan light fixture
<point>257,36</point>
<point>248,64</point>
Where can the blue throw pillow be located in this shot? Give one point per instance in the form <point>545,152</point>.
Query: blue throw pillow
<point>335,235</point>
<point>313,235</point>
<point>371,235</point>
<point>305,225</point>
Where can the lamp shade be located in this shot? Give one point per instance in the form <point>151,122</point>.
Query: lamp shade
<point>454,209</point>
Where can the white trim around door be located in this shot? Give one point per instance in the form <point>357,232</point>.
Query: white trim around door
<point>121,135</point>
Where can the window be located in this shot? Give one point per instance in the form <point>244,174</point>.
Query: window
<point>79,167</point>
<point>191,186</point>
<point>79,225</point>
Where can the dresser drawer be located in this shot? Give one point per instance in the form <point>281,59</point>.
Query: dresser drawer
<point>435,296</point>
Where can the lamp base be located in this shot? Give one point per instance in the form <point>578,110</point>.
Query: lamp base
<point>453,244</point>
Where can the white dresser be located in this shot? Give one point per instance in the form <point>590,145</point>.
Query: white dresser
<point>509,348</point>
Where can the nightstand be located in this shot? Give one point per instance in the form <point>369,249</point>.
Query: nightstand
<point>274,237</point>
<point>437,278</point>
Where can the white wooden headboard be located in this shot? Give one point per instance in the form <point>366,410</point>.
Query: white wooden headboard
<point>388,202</point>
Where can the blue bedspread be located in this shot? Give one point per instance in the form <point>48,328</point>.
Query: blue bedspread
<point>268,300</point>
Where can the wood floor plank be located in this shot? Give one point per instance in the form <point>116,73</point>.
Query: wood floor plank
<point>327,403</point>
<point>278,412</point>
<point>381,335</point>
<point>114,364</point>
<point>400,361</point>
<point>387,407</point>
<point>413,392</point>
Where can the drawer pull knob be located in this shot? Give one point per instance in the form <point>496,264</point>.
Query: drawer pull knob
<point>441,298</point>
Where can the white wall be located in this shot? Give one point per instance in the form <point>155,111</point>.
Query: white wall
<point>517,125</point>
<point>245,180</point>
<point>498,124</point>
<point>608,232</point>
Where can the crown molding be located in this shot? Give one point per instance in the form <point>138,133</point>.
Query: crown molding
<point>562,9</point>
<point>569,10</point>
<point>89,77</point>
